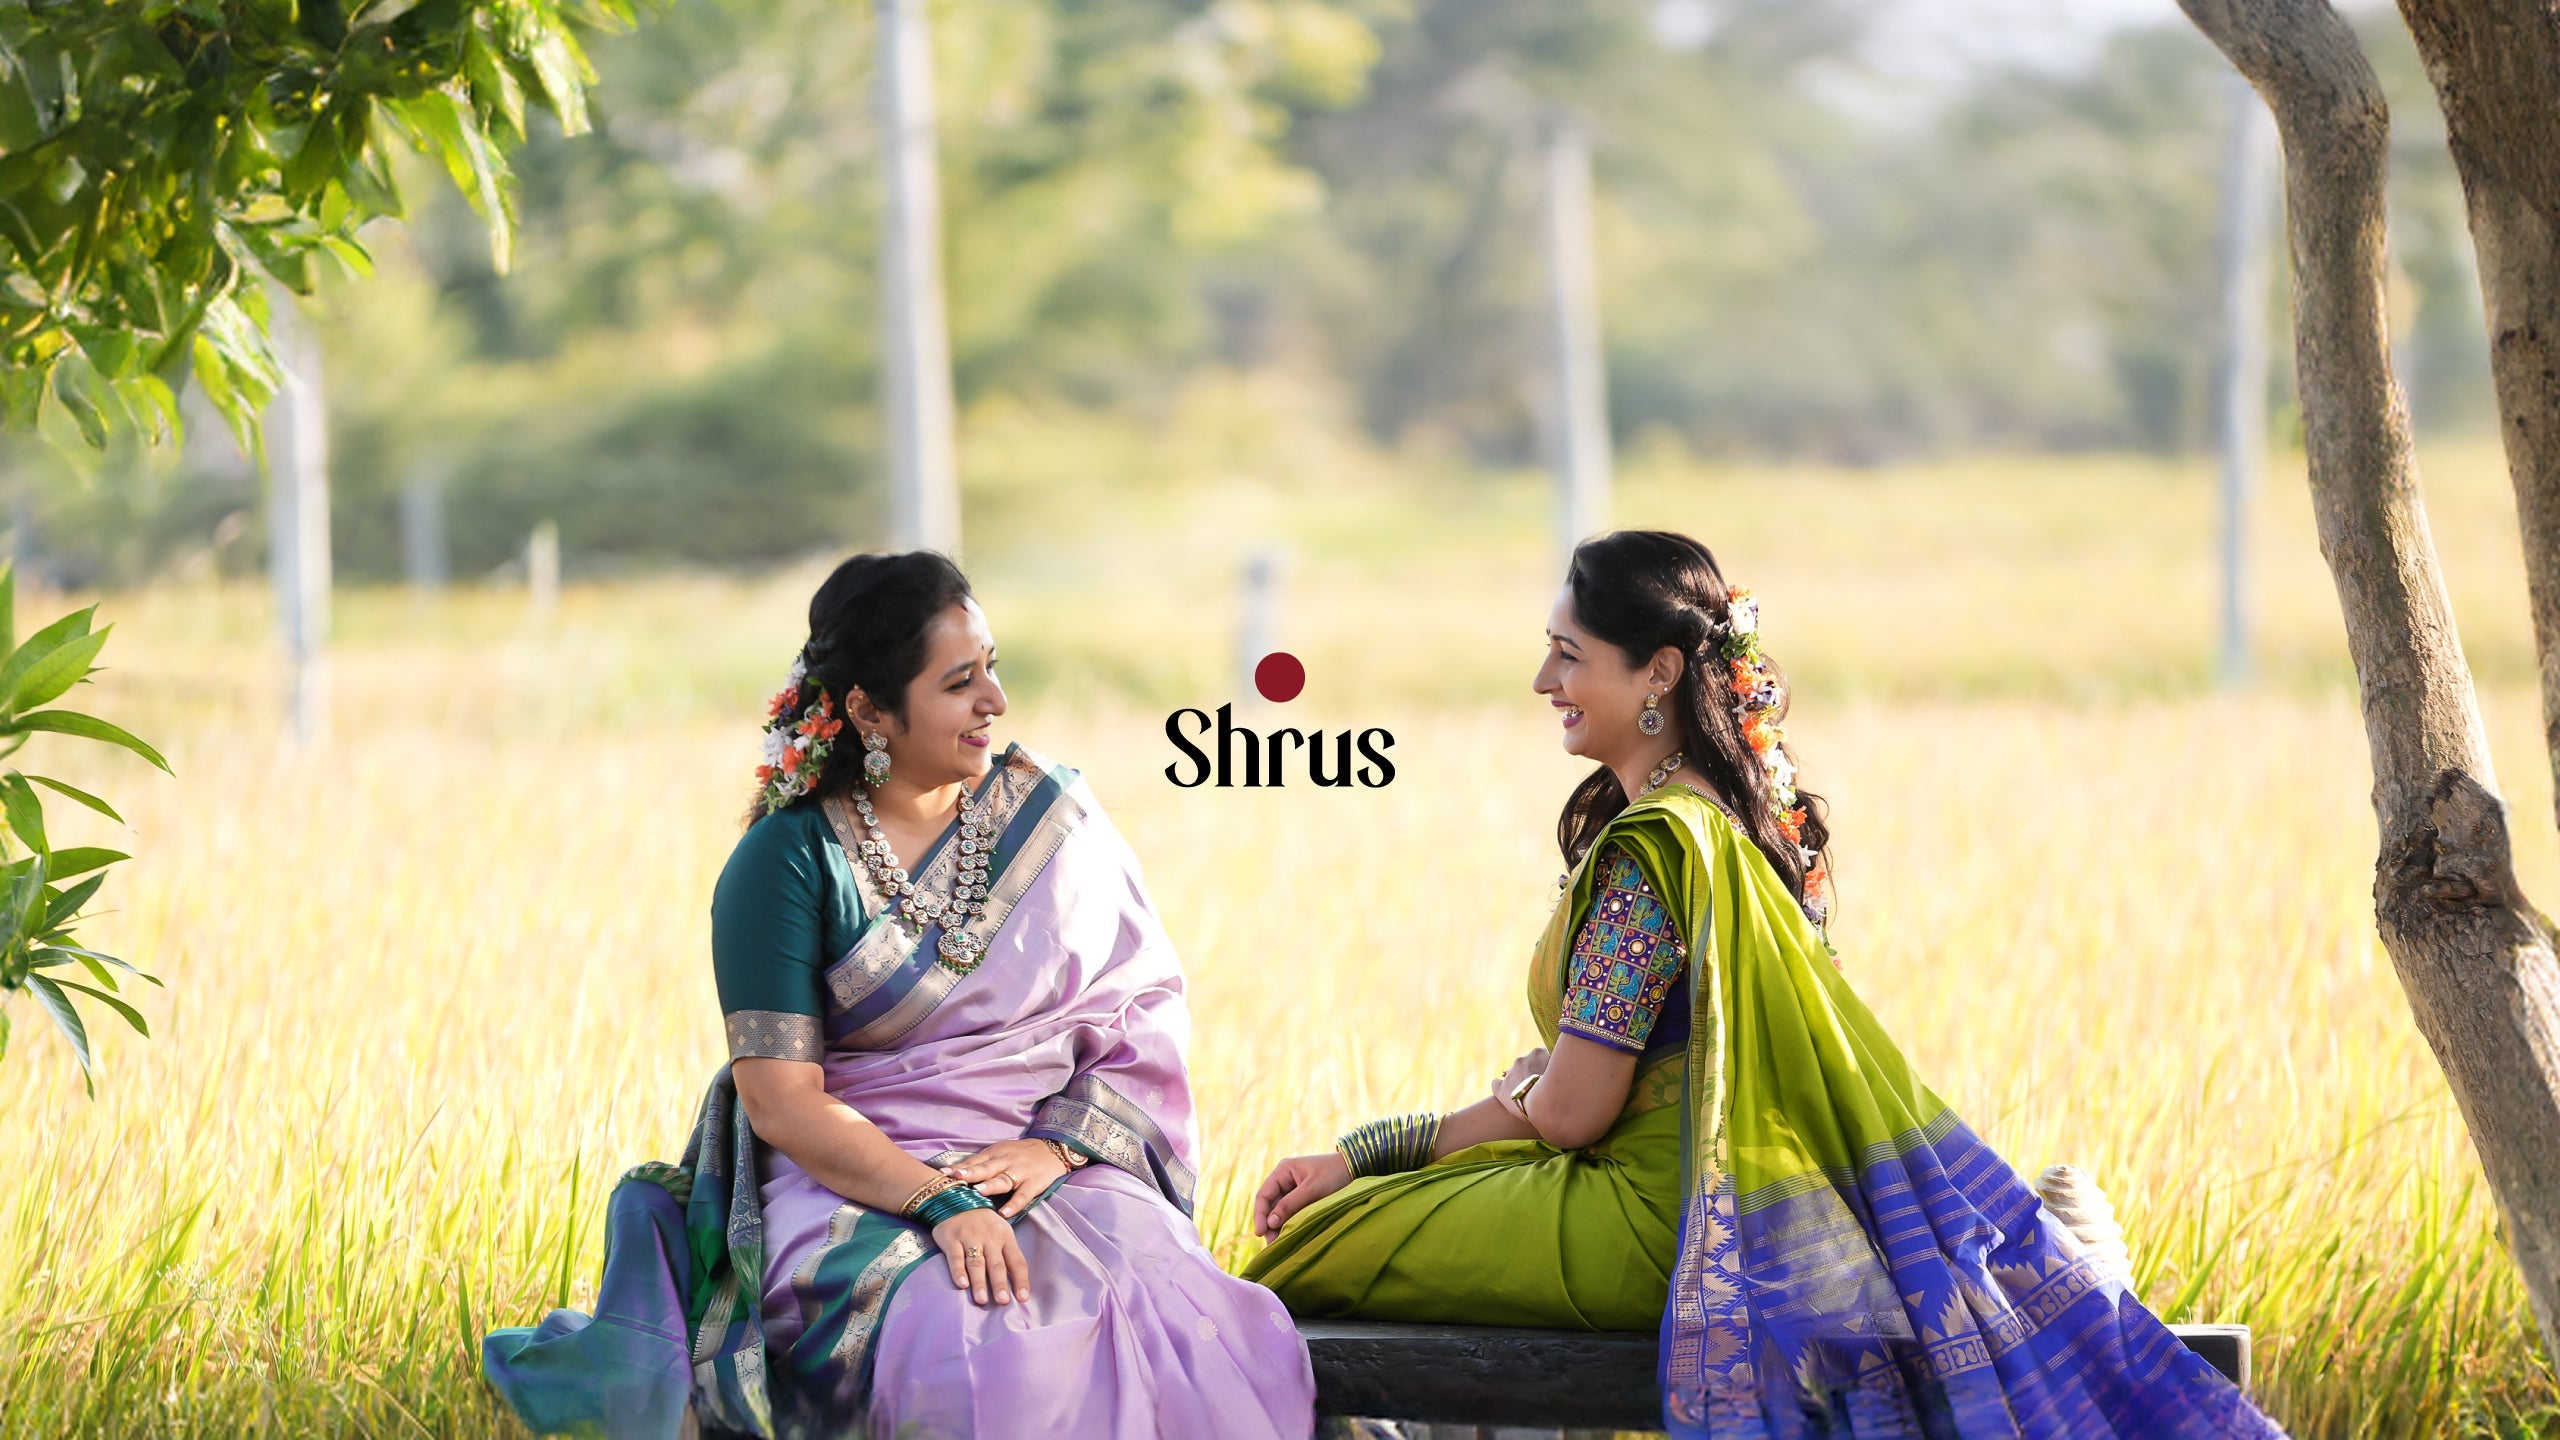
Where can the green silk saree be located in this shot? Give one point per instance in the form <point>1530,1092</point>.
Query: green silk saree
<point>1823,1247</point>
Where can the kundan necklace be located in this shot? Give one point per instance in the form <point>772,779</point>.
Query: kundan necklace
<point>1659,776</point>
<point>917,907</point>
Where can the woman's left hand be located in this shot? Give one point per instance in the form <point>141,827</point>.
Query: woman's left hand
<point>1020,1171</point>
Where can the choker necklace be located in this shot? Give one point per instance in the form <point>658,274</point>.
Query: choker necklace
<point>917,907</point>
<point>1657,778</point>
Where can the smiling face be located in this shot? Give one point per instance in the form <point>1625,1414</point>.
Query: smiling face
<point>945,736</point>
<point>1596,693</point>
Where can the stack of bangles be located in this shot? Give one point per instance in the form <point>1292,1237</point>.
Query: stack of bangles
<point>940,1198</point>
<point>1390,1147</point>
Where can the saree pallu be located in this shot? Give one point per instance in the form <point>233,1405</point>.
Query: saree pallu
<point>1825,1249</point>
<point>741,1290</point>
<point>1854,1261</point>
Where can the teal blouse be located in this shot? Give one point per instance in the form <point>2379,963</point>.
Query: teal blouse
<point>785,909</point>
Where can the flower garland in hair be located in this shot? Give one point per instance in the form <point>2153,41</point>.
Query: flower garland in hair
<point>1758,696</point>
<point>796,740</point>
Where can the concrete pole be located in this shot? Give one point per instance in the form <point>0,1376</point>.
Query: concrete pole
<point>1579,428</point>
<point>915,345</point>
<point>542,569</point>
<point>297,443</point>
<point>2240,419</point>
<point>1258,622</point>
<point>424,557</point>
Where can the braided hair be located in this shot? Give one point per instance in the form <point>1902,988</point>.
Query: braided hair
<point>867,632</point>
<point>1640,590</point>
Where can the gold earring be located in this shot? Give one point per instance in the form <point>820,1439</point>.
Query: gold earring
<point>1650,718</point>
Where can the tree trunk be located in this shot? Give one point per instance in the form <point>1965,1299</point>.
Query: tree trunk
<point>2475,960</point>
<point>2495,65</point>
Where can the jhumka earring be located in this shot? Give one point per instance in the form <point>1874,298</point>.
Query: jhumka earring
<point>1649,719</point>
<point>875,758</point>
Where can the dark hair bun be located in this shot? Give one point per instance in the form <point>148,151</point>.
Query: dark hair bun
<point>867,628</point>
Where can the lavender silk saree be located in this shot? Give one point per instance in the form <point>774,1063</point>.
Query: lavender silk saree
<point>739,1289</point>
<point>1843,1257</point>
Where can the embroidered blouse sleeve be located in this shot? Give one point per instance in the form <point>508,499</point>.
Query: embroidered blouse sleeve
<point>1625,958</point>
<point>766,943</point>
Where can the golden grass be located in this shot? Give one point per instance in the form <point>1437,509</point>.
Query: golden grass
<point>433,986</point>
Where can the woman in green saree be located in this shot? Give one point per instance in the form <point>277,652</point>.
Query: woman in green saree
<point>1719,1141</point>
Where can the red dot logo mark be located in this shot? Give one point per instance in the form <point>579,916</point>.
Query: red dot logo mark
<point>1279,677</point>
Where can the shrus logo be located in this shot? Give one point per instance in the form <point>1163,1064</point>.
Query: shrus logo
<point>1279,678</point>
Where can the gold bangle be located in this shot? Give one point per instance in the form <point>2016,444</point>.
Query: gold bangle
<point>1066,1154</point>
<point>927,1191</point>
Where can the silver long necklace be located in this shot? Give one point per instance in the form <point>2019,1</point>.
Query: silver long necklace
<point>917,907</point>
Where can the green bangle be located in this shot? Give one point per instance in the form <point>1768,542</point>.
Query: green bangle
<point>957,1200</point>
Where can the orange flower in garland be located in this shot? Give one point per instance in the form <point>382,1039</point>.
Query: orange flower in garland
<point>795,743</point>
<point>1791,825</point>
<point>1762,732</point>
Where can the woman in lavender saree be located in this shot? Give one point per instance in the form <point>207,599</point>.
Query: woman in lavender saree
<point>1722,1143</point>
<point>943,1188</point>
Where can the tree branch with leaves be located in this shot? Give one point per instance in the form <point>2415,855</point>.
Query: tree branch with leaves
<point>40,897</point>
<point>158,156</point>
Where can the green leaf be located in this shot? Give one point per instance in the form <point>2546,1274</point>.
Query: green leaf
<point>8,606</point>
<point>131,1016</point>
<point>65,954</point>
<point>74,384</point>
<point>66,906</point>
<point>471,161</point>
<point>46,679</point>
<point>41,644</point>
<point>65,1019</point>
<point>85,798</point>
<point>81,859</point>
<point>24,811</point>
<point>88,727</point>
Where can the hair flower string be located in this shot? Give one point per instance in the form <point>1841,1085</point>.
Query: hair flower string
<point>797,739</point>
<point>1758,698</point>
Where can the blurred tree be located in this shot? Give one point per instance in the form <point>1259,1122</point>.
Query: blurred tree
<point>682,364</point>
<point>156,155</point>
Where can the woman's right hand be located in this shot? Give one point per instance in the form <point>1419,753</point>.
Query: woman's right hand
<point>983,1256</point>
<point>1533,1063</point>
<point>1295,1184</point>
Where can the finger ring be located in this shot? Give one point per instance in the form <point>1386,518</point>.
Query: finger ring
<point>973,1252</point>
<point>1009,1177</point>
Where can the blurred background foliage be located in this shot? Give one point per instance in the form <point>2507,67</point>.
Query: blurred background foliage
<point>1328,207</point>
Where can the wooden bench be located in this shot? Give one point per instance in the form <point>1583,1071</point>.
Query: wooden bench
<point>1543,1379</point>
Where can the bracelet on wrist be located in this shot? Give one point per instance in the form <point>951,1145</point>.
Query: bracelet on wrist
<point>1068,1155</point>
<point>944,1204</point>
<point>926,1191</point>
<point>1391,1146</point>
<point>1520,1093</point>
